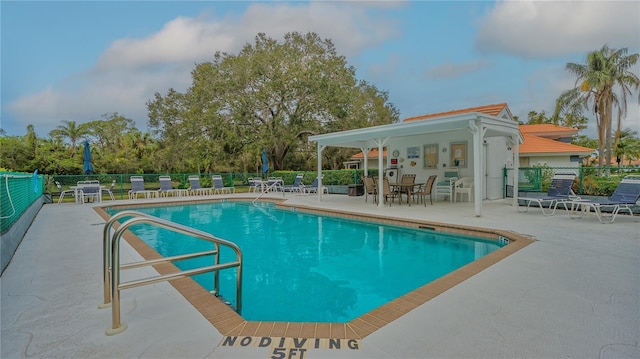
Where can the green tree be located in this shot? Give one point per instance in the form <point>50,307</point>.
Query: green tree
<point>627,146</point>
<point>602,85</point>
<point>32,141</point>
<point>71,132</point>
<point>270,95</point>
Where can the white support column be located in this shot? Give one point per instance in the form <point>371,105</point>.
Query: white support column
<point>365,150</point>
<point>516,168</point>
<point>478,177</point>
<point>320,149</point>
<point>380,142</point>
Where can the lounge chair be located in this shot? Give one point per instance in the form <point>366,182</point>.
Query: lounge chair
<point>426,190</point>
<point>137,187</point>
<point>625,195</point>
<point>64,192</point>
<point>166,188</point>
<point>218,186</point>
<point>559,192</point>
<point>445,187</point>
<point>296,186</point>
<point>195,188</point>
<point>313,188</point>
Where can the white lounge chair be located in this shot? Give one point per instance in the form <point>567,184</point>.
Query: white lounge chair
<point>166,188</point>
<point>219,187</point>
<point>137,187</point>
<point>625,195</point>
<point>195,188</point>
<point>559,192</point>
<point>296,186</point>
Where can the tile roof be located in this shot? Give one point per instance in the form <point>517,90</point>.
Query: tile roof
<point>372,154</point>
<point>539,145</point>
<point>491,110</point>
<point>548,130</point>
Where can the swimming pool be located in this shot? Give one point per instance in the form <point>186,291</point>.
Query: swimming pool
<point>300,267</point>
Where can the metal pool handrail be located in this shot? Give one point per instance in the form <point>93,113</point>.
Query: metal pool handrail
<point>266,189</point>
<point>112,267</point>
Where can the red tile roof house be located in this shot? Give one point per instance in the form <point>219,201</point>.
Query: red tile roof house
<point>478,142</point>
<point>548,144</point>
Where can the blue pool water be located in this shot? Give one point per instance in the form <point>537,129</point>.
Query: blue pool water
<point>302,267</point>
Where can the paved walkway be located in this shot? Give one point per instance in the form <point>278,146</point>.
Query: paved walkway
<point>574,293</point>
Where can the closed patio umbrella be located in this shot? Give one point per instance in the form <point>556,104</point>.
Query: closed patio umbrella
<point>265,162</point>
<point>88,168</point>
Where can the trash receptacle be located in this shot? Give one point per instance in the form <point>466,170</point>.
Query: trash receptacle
<point>356,190</point>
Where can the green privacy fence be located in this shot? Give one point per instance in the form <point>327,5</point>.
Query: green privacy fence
<point>18,191</point>
<point>596,181</point>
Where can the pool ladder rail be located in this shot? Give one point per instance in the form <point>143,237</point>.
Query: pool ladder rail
<point>266,189</point>
<point>112,266</point>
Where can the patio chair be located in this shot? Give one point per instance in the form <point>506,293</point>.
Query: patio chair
<point>426,190</point>
<point>109,190</point>
<point>137,187</point>
<point>195,188</point>
<point>388,193</point>
<point>461,187</point>
<point>219,187</point>
<point>445,187</point>
<point>296,186</point>
<point>90,191</point>
<point>370,189</point>
<point>409,178</point>
<point>313,188</point>
<point>64,192</point>
<point>166,188</point>
<point>559,191</point>
<point>625,195</point>
<point>275,184</point>
<point>255,184</point>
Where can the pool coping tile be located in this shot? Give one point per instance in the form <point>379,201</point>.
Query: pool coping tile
<point>230,323</point>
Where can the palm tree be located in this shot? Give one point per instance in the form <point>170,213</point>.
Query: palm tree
<point>627,146</point>
<point>602,85</point>
<point>71,132</point>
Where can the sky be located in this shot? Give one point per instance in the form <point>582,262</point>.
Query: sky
<point>79,60</point>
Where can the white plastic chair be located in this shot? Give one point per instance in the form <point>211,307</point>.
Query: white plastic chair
<point>463,186</point>
<point>445,187</point>
<point>110,190</point>
<point>64,192</point>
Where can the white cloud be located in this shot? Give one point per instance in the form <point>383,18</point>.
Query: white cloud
<point>131,70</point>
<point>534,29</point>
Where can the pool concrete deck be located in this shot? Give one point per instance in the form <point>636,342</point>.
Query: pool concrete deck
<point>574,293</point>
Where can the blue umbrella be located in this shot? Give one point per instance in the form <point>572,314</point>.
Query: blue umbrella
<point>265,162</point>
<point>88,168</point>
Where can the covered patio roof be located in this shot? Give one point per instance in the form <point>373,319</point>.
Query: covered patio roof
<point>481,125</point>
<point>366,137</point>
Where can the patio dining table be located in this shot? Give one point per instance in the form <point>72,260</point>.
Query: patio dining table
<point>77,190</point>
<point>405,188</point>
